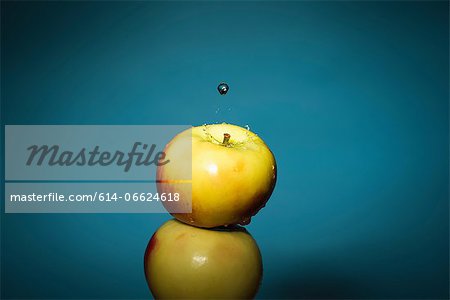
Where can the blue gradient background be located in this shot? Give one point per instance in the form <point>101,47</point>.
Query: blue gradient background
<point>352,97</point>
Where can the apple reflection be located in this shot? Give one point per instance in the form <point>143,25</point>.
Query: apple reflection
<point>183,261</point>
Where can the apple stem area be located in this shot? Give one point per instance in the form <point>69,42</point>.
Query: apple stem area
<point>226,139</point>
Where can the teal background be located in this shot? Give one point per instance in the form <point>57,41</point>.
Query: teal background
<point>352,97</point>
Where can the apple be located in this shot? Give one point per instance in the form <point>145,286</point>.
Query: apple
<point>233,174</point>
<point>183,261</point>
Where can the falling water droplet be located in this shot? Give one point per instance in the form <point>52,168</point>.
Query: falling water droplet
<point>223,88</point>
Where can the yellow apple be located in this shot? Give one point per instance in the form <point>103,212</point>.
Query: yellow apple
<point>233,174</point>
<point>183,261</point>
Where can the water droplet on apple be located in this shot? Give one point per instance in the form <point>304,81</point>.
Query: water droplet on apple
<point>223,88</point>
<point>245,221</point>
<point>247,127</point>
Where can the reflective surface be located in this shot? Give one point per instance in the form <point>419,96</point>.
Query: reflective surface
<point>182,261</point>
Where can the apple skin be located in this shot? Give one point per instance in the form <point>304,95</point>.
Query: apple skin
<point>230,182</point>
<point>183,261</point>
